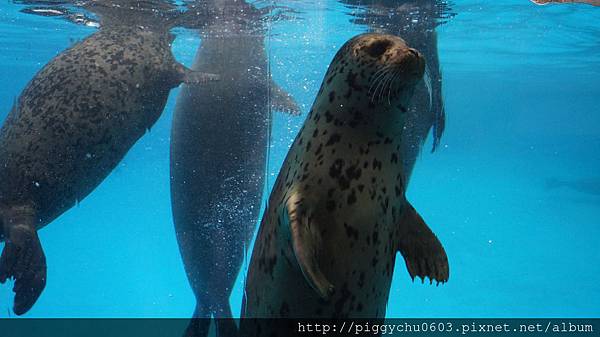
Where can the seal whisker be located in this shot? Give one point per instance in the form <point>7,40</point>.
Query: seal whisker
<point>389,94</point>
<point>378,87</point>
<point>385,82</point>
<point>380,82</point>
<point>388,84</point>
<point>391,86</point>
<point>378,75</point>
<point>398,83</point>
<point>380,72</point>
<point>373,91</point>
<point>395,74</point>
<point>427,80</point>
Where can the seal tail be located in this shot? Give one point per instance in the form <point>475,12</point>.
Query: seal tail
<point>220,315</point>
<point>224,323</point>
<point>422,251</point>
<point>199,325</point>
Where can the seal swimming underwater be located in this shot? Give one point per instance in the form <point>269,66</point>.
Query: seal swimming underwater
<point>219,144</point>
<point>337,215</point>
<point>72,124</point>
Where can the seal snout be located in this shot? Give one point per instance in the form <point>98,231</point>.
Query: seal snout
<point>411,62</point>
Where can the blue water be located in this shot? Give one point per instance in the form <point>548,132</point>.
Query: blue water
<point>522,89</point>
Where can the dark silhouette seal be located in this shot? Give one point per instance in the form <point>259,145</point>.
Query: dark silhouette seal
<point>219,146</point>
<point>72,124</point>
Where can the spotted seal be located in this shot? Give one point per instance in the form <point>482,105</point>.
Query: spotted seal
<point>219,143</point>
<point>74,121</point>
<point>337,214</point>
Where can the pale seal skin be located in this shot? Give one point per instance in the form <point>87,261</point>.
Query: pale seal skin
<point>337,215</point>
<point>71,125</point>
<point>219,144</point>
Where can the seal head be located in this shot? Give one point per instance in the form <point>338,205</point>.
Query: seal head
<point>381,66</point>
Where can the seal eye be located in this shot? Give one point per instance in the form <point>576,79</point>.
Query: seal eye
<point>377,48</point>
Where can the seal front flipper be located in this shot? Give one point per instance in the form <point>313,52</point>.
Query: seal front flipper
<point>189,76</point>
<point>422,251</point>
<point>306,243</point>
<point>198,77</point>
<point>281,100</point>
<point>22,258</point>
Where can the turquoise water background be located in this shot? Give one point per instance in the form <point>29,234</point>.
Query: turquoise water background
<point>513,193</point>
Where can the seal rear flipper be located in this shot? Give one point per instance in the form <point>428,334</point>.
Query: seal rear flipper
<point>224,323</point>
<point>422,251</point>
<point>199,325</point>
<point>226,327</point>
<point>23,259</point>
<point>306,246</point>
<point>282,101</point>
<point>208,311</point>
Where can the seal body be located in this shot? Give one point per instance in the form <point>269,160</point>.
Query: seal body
<point>219,144</point>
<point>72,124</point>
<point>337,214</point>
<point>79,116</point>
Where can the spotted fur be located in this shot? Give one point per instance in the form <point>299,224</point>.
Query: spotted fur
<point>337,214</point>
<point>72,124</point>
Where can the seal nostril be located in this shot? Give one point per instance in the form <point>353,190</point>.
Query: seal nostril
<point>413,52</point>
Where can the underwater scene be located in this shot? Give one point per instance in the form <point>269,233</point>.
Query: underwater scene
<point>299,158</point>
